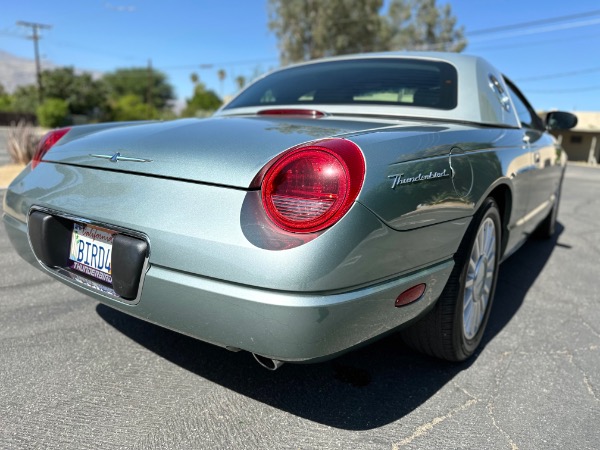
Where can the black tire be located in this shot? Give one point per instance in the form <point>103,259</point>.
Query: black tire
<point>442,331</point>
<point>547,227</point>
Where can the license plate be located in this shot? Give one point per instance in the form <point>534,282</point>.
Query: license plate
<point>91,249</point>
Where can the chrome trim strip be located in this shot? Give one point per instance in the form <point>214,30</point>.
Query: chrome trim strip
<point>76,277</point>
<point>117,157</point>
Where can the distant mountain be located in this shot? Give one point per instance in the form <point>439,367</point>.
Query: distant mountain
<point>16,71</point>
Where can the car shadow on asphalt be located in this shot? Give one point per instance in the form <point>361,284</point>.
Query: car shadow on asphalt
<point>364,389</point>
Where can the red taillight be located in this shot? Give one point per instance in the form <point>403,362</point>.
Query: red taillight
<point>313,113</point>
<point>309,188</point>
<point>46,144</point>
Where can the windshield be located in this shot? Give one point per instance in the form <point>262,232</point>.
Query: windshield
<point>385,81</point>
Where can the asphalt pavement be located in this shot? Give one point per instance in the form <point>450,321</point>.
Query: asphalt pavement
<point>76,375</point>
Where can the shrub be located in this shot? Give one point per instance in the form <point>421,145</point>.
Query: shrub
<point>22,142</point>
<point>131,107</point>
<point>53,112</point>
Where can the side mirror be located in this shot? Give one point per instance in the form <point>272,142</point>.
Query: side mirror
<point>559,120</point>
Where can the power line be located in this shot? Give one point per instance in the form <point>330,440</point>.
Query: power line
<point>533,23</point>
<point>9,34</point>
<point>35,27</point>
<point>559,75</point>
<point>547,29</point>
<point>212,65</point>
<point>94,50</point>
<point>563,91</point>
<point>512,46</point>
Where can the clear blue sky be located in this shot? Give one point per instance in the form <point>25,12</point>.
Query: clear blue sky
<point>182,36</point>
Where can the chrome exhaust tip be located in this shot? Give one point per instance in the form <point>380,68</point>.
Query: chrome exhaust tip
<point>267,363</point>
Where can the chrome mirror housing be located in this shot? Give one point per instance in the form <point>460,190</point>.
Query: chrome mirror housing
<point>560,120</point>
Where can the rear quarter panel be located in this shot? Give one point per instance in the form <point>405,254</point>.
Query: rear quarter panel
<point>474,162</point>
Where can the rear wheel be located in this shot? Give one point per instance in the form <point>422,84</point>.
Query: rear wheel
<point>453,329</point>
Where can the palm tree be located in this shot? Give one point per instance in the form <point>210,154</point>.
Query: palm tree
<point>221,74</point>
<point>240,80</point>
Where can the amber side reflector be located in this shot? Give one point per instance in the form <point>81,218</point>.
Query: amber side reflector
<point>411,295</point>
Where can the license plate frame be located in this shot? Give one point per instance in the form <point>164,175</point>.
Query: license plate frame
<point>90,251</point>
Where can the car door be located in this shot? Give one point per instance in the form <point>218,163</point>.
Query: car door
<point>545,160</point>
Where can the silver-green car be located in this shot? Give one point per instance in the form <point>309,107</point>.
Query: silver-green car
<point>328,204</point>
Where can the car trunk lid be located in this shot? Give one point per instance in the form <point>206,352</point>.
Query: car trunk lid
<point>228,151</point>
<point>225,151</point>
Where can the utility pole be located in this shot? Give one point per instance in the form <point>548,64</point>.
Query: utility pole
<point>36,37</point>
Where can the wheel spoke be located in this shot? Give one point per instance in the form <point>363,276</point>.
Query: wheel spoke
<point>488,279</point>
<point>474,316</point>
<point>475,319</point>
<point>487,236</point>
<point>467,315</point>
<point>484,304</point>
<point>471,317</point>
<point>491,241</point>
<point>468,300</point>
<point>472,266</point>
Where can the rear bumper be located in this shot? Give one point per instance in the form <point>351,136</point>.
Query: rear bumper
<point>286,326</point>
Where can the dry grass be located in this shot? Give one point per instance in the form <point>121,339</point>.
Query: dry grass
<point>23,139</point>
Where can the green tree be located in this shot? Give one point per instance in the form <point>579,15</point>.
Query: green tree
<point>25,99</point>
<point>308,29</point>
<point>131,107</point>
<point>82,93</point>
<point>6,100</point>
<point>148,85</point>
<point>203,102</point>
<point>53,112</point>
<point>422,25</point>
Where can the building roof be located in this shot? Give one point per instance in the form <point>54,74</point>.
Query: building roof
<point>587,121</point>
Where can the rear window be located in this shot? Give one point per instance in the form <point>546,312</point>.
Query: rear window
<point>385,81</point>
